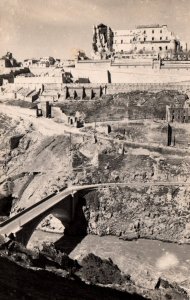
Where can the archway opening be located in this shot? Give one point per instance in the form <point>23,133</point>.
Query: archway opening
<point>61,227</point>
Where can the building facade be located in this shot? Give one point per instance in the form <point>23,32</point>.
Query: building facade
<point>154,39</point>
<point>150,38</point>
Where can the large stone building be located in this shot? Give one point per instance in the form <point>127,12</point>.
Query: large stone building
<point>154,39</point>
<point>146,38</point>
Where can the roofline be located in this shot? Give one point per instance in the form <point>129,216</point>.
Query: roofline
<point>151,26</point>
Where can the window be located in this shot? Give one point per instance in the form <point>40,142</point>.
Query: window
<point>161,31</point>
<point>160,48</point>
<point>152,38</point>
<point>160,38</point>
<point>144,39</point>
<point>144,31</point>
<point>166,47</point>
<point>152,31</point>
<point>166,37</point>
<point>152,48</point>
<point>121,41</point>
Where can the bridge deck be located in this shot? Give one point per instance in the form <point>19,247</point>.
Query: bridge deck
<point>15,223</point>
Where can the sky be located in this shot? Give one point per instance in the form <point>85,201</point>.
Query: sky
<point>37,28</point>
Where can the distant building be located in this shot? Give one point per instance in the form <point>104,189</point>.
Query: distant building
<point>42,62</point>
<point>29,62</point>
<point>65,63</point>
<point>47,61</point>
<point>150,38</point>
<point>154,39</point>
<point>176,113</point>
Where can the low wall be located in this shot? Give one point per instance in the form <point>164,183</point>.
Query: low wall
<point>122,88</point>
<point>52,90</point>
<point>132,71</point>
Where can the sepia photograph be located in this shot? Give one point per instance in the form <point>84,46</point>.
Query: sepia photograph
<point>94,149</point>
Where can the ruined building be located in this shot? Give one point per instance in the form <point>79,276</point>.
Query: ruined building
<point>178,112</point>
<point>8,61</point>
<point>102,42</point>
<point>153,39</point>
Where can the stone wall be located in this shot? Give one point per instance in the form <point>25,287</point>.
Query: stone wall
<point>128,87</point>
<point>132,71</point>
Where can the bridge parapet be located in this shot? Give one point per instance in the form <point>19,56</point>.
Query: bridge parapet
<point>26,221</point>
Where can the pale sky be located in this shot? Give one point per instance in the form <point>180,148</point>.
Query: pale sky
<point>36,28</point>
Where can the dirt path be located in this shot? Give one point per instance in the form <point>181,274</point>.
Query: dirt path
<point>48,127</point>
<point>43,125</point>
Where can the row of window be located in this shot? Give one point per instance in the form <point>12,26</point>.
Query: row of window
<point>115,33</point>
<point>152,31</point>
<point>166,38</point>
<point>144,49</point>
<point>144,40</point>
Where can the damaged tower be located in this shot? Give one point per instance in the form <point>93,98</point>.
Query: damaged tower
<point>102,42</point>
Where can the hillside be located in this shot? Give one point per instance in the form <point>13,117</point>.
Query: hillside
<point>134,105</point>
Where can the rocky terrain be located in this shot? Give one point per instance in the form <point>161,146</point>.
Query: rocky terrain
<point>140,212</point>
<point>26,274</point>
<point>37,165</point>
<point>149,198</point>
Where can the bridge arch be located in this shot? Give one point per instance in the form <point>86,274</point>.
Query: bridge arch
<point>24,223</point>
<point>68,211</point>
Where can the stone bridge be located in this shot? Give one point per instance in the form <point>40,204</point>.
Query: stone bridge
<point>62,205</point>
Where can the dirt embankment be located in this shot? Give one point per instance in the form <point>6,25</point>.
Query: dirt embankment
<point>32,165</point>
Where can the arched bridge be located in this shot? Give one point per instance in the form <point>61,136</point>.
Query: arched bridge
<point>62,205</point>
